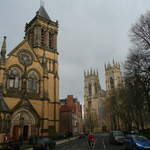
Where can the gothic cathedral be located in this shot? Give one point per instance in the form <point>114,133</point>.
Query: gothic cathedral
<point>29,80</point>
<point>95,96</point>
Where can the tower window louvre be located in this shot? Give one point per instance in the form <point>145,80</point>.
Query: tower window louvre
<point>42,37</point>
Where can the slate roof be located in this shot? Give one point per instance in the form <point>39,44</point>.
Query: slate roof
<point>42,13</point>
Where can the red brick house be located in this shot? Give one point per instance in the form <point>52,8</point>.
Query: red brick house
<point>70,116</point>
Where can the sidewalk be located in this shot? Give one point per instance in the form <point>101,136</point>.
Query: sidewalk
<point>66,140</point>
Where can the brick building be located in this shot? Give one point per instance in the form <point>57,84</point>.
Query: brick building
<point>70,116</point>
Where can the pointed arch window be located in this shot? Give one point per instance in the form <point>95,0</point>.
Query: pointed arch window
<point>50,40</point>
<point>96,88</point>
<point>33,82</point>
<point>111,83</point>
<point>14,78</point>
<point>90,89</point>
<point>42,37</point>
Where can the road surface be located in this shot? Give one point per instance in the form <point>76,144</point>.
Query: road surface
<point>82,144</point>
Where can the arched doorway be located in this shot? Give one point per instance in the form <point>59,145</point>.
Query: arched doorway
<point>23,124</point>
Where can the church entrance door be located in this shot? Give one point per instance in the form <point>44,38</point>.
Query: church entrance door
<point>25,132</point>
<point>16,132</point>
<point>22,121</point>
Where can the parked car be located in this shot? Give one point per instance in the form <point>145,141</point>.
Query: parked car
<point>116,137</point>
<point>132,132</point>
<point>42,143</point>
<point>136,142</point>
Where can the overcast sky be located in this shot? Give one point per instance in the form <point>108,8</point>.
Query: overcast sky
<point>91,33</point>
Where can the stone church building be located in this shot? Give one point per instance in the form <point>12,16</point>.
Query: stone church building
<point>29,80</point>
<point>95,96</point>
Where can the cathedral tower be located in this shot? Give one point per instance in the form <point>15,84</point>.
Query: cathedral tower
<point>91,84</point>
<point>92,100</point>
<point>113,76</point>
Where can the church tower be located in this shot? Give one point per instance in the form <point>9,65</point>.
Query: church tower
<point>30,82</point>
<point>113,76</point>
<point>41,34</point>
<point>41,31</point>
<point>91,84</point>
<point>91,100</point>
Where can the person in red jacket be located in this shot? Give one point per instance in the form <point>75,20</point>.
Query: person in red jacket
<point>91,140</point>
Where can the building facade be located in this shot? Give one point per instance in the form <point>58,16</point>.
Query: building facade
<point>30,81</point>
<point>113,77</point>
<point>95,117</point>
<point>94,98</point>
<point>114,82</point>
<point>70,116</point>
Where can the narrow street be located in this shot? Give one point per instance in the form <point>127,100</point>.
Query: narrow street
<point>82,144</point>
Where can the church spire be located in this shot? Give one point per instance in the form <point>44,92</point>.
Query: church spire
<point>3,49</point>
<point>43,13</point>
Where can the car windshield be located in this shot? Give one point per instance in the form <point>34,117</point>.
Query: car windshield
<point>140,138</point>
<point>118,134</point>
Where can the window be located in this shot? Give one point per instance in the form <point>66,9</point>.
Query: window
<point>50,40</point>
<point>33,82</point>
<point>112,83</point>
<point>90,89</point>
<point>14,78</point>
<point>96,88</point>
<point>42,37</point>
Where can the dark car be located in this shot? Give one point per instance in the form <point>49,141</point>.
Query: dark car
<point>133,132</point>
<point>42,143</point>
<point>136,142</point>
<point>116,137</point>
